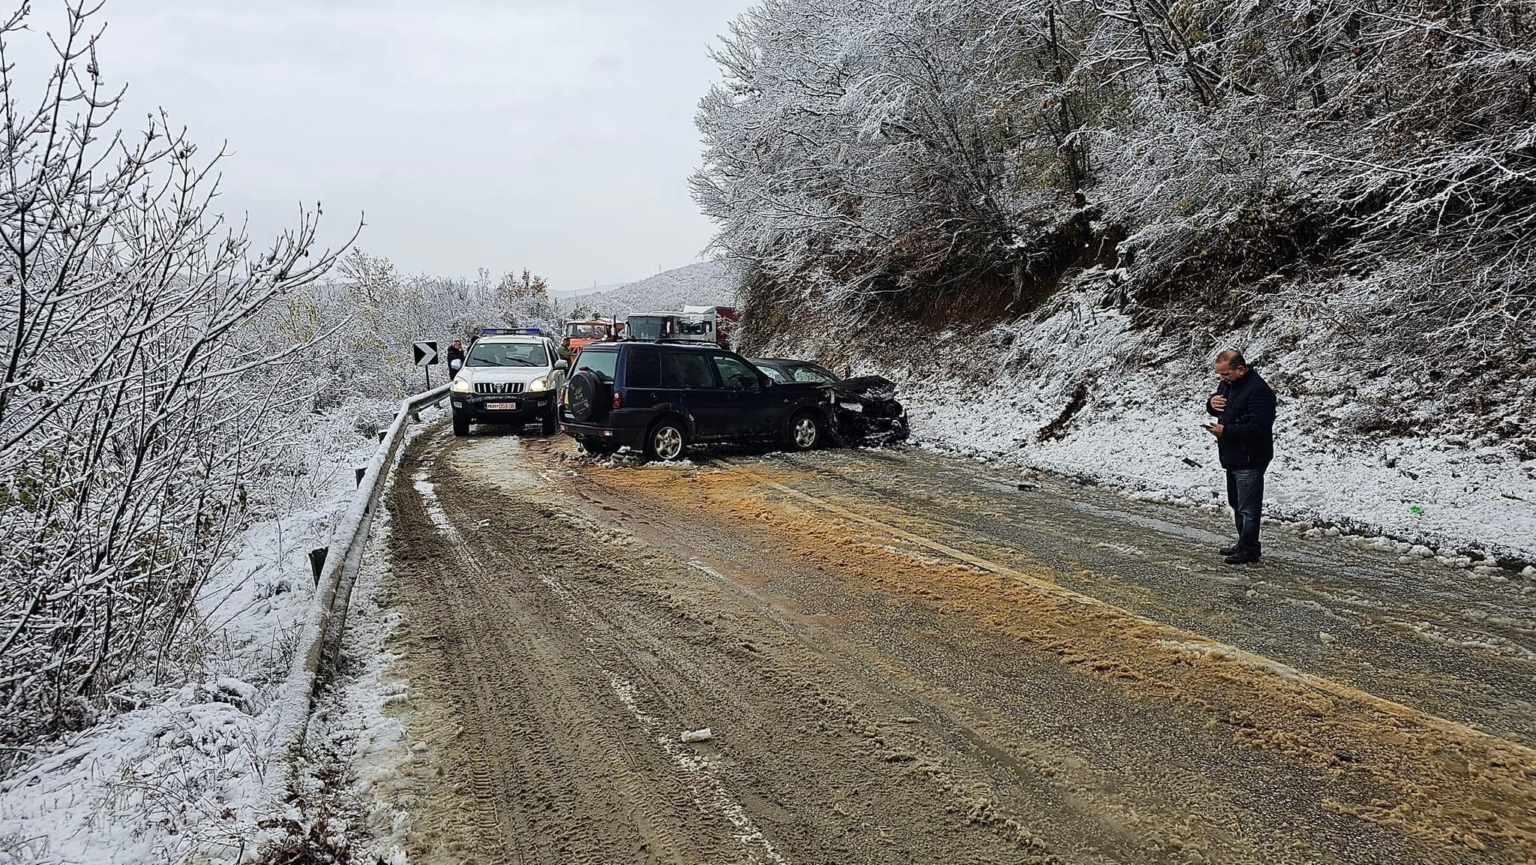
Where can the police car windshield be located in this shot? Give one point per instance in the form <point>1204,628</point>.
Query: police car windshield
<point>508,354</point>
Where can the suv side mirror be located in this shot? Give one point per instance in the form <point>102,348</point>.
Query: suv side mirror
<point>560,364</point>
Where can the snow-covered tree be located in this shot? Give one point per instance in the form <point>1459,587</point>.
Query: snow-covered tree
<point>138,382</point>
<point>523,299</point>
<point>1177,155</point>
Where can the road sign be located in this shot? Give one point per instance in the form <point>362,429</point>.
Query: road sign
<point>426,352</point>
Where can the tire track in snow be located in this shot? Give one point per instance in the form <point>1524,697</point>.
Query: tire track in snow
<point>701,774</point>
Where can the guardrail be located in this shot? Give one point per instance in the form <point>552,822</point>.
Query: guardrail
<point>320,640</point>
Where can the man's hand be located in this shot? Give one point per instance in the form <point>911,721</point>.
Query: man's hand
<point>1219,402</point>
<point>1214,429</point>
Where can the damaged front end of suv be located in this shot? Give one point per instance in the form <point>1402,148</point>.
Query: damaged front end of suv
<point>865,411</point>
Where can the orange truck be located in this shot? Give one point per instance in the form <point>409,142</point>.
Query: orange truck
<point>582,332</point>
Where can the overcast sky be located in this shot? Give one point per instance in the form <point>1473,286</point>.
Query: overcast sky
<point>556,136</point>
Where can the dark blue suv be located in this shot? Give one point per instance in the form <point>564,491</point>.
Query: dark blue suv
<point>661,397</point>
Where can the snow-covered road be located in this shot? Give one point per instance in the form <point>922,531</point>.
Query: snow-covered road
<point>908,657</point>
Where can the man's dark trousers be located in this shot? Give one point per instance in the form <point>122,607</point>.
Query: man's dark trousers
<point>1245,493</point>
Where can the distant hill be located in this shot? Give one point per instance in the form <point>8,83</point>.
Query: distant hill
<point>578,292</point>
<point>708,283</point>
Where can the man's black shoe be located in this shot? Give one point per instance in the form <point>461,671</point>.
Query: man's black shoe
<point>1229,551</point>
<point>1241,558</point>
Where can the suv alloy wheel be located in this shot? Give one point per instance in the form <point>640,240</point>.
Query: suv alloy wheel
<point>666,440</point>
<point>804,431</point>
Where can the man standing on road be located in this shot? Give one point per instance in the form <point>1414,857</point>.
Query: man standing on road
<point>455,358</point>
<point>1244,408</point>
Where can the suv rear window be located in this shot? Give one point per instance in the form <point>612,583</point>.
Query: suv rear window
<point>687,369</point>
<point>642,368</point>
<point>602,363</point>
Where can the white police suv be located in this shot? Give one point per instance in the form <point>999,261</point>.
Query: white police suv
<point>508,377</point>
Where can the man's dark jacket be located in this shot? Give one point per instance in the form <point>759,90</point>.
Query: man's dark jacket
<point>1247,438</point>
<point>455,354</point>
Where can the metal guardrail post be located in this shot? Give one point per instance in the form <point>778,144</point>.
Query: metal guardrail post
<point>317,562</point>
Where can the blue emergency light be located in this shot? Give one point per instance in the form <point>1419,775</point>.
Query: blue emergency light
<point>511,331</point>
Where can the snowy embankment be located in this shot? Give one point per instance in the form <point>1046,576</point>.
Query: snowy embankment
<point>178,774</point>
<point>1459,487</point>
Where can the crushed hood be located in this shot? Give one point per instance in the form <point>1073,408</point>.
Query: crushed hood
<point>865,387</point>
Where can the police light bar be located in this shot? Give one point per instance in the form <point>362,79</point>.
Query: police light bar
<point>511,331</point>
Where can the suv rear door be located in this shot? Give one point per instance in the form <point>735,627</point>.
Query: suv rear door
<point>690,374</point>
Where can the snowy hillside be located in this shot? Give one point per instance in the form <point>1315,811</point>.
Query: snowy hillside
<point>1361,450</point>
<point>704,284</point>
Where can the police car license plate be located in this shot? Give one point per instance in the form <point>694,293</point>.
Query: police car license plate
<point>501,406</point>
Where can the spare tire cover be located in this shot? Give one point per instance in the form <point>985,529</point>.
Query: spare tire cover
<point>585,390</point>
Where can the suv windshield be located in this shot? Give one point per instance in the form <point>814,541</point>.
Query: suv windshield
<point>530,354</point>
<point>812,373</point>
<point>601,363</point>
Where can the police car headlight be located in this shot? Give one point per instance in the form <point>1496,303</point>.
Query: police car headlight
<point>538,385</point>
<point>462,386</point>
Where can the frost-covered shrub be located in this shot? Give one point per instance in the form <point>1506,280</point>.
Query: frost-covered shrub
<point>138,386</point>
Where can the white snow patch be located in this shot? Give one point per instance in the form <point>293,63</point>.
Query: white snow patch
<point>178,775</point>
<point>373,745</point>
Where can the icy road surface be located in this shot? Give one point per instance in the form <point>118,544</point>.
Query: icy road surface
<point>904,658</point>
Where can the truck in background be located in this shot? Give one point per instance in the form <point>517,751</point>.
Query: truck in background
<point>710,324</point>
<point>582,332</point>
